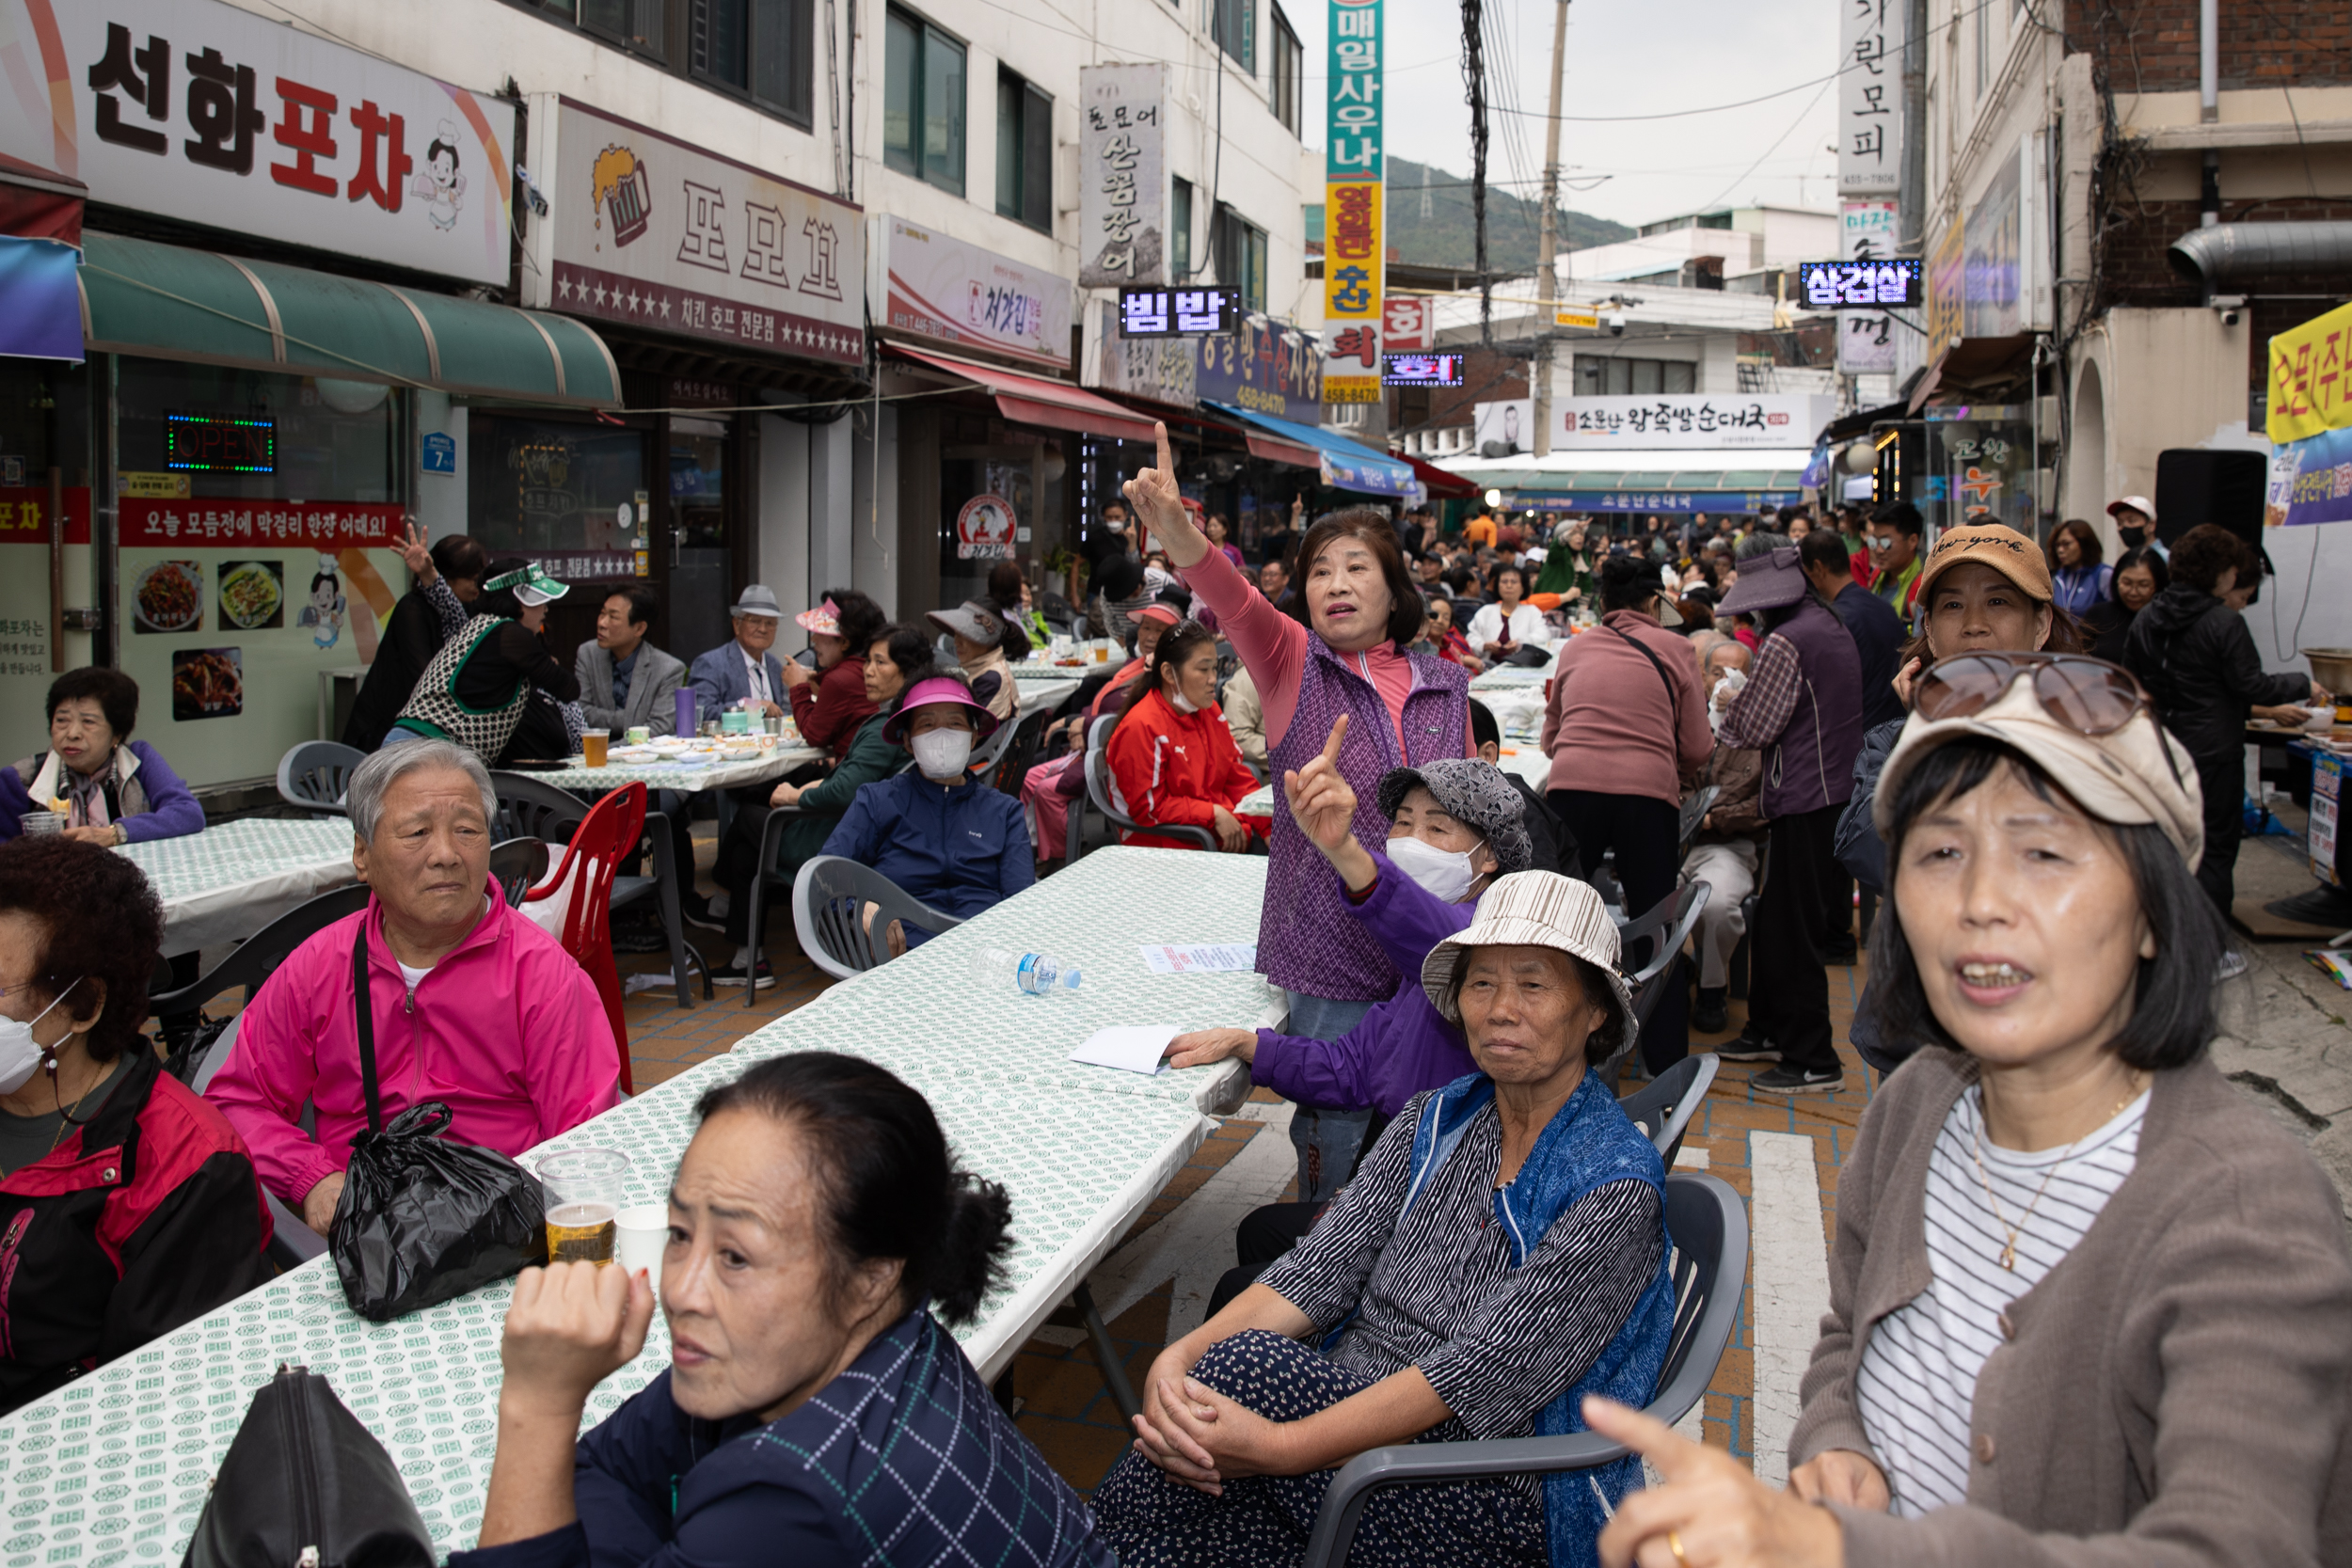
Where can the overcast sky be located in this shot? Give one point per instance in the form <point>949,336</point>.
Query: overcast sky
<point>1624,57</point>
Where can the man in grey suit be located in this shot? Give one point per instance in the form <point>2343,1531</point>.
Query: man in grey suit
<point>744,668</point>
<point>625,680</point>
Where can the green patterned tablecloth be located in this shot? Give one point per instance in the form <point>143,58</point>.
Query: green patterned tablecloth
<point>229,881</point>
<point>924,1017</point>
<point>114,1468</point>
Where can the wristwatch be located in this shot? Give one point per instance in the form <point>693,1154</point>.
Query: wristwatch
<point>121,836</point>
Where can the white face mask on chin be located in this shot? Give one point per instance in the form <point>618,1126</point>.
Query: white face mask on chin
<point>1445,875</point>
<point>20,1056</point>
<point>942,754</point>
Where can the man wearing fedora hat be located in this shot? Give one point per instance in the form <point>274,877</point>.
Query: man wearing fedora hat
<point>744,668</point>
<point>1801,707</point>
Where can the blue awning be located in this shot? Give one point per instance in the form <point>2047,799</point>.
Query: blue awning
<point>1345,465</point>
<point>40,310</point>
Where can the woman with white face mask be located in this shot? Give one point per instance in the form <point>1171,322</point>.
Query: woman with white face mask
<point>132,1206</point>
<point>1453,827</point>
<point>935,829</point>
<point>1172,760</point>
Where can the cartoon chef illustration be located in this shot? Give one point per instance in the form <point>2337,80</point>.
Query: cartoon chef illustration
<point>442,188</point>
<point>324,615</point>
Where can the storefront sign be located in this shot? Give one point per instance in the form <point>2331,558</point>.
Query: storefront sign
<point>1866,338</point>
<point>1947,297</point>
<point>650,231</point>
<point>1267,367</point>
<point>1122,176</point>
<point>2311,480</point>
<point>957,294</point>
<point>1407,323</point>
<point>984,529</point>
<point>1783,419</point>
<point>2310,379</point>
<point>1869,96</point>
<point>1161,369</point>
<point>202,112</point>
<point>437,453</point>
<point>1355,267</point>
<point>1990,252</point>
<point>304,525</point>
<point>1506,422</point>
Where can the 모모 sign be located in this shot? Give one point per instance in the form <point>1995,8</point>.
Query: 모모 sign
<point>649,230</point>
<point>1355,268</point>
<point>211,114</point>
<point>1122,176</point>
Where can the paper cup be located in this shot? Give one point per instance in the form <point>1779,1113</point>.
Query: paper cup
<point>643,1231</point>
<point>639,734</point>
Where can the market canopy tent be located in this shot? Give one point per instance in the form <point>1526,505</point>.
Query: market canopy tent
<point>174,302</point>
<point>1344,465</point>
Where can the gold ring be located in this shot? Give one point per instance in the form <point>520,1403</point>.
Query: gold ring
<point>1674,1545</point>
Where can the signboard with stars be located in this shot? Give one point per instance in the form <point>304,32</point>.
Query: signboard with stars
<point>651,232</point>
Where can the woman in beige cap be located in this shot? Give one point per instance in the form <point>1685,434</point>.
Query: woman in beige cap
<point>1499,1252</point>
<point>2088,1304</point>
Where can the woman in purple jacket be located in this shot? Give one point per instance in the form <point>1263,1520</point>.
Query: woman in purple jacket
<point>115,790</point>
<point>1454,826</point>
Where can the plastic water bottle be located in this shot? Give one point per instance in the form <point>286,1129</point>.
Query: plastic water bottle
<point>1037,973</point>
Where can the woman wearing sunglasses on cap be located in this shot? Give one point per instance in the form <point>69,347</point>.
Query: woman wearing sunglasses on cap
<point>2088,1303</point>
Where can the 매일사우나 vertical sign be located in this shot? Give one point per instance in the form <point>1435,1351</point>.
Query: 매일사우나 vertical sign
<point>1122,178</point>
<point>1353,233</point>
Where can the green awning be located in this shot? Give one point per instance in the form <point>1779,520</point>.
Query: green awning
<point>170,302</point>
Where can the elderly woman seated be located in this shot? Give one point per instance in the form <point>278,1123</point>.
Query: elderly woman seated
<point>1501,1253</point>
<point>2088,1302</point>
<point>897,658</point>
<point>814,1411</point>
<point>96,1266</point>
<point>112,789</point>
<point>1171,759</point>
<point>935,831</point>
<point>472,1004</point>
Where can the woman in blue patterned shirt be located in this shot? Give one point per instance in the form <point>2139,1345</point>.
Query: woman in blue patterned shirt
<point>815,1411</point>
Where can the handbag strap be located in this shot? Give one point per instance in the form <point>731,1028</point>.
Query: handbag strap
<point>1674,708</point>
<point>367,1026</point>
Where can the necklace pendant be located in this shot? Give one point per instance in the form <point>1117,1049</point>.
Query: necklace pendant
<point>2008,1256</point>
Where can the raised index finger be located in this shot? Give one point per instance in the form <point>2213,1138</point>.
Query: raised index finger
<point>1168,458</point>
<point>1339,735</point>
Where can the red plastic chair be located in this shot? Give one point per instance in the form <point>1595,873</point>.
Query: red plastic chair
<point>584,881</point>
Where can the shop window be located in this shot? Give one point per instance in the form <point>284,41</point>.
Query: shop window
<point>1179,230</point>
<point>552,490</point>
<point>1238,248</point>
<point>1234,23</point>
<point>1283,93</point>
<point>252,436</point>
<point>760,48</point>
<point>923,80</point>
<point>1612,376</point>
<point>636,26</point>
<point>1024,152</point>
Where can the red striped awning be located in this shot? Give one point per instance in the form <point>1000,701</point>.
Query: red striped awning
<point>1028,400</point>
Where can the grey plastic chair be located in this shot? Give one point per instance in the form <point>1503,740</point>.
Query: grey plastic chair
<point>1665,928</point>
<point>517,866</point>
<point>291,1242</point>
<point>1098,766</point>
<point>827,895</point>
<point>1662,1108</point>
<point>256,958</point>
<point>1694,812</point>
<point>314,775</point>
<point>1708,1228</point>
<point>985,754</point>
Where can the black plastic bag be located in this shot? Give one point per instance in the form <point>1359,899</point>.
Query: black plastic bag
<point>304,1482</point>
<point>421,1219</point>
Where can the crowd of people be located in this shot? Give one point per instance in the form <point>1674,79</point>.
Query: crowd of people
<point>2027,758</point>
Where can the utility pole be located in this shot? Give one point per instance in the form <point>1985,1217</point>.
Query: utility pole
<point>1548,239</point>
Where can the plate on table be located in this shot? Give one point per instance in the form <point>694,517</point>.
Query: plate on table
<point>635,756</point>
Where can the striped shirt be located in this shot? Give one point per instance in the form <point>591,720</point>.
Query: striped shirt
<point>1438,1292</point>
<point>1917,1383</point>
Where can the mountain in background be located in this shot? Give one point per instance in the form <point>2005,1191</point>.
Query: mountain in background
<point>1447,236</point>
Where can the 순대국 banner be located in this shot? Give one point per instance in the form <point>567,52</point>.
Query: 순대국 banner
<point>1353,272</point>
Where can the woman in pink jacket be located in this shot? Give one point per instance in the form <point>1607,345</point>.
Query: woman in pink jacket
<point>474,1005</point>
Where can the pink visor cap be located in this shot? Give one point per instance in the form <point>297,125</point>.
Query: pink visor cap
<point>934,689</point>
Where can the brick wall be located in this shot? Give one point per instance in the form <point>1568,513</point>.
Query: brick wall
<point>2136,272</point>
<point>1486,377</point>
<point>2150,45</point>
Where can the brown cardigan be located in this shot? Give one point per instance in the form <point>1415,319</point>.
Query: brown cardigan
<point>2177,1385</point>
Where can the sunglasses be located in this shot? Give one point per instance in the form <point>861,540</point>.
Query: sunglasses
<point>2088,695</point>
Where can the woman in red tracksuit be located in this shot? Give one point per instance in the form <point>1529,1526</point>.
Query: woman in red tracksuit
<point>1171,759</point>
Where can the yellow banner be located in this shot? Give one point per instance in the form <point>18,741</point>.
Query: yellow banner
<point>2311,382</point>
<point>1354,271</point>
<point>1948,283</point>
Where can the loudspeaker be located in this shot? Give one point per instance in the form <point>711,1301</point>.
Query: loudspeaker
<point>2195,485</point>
